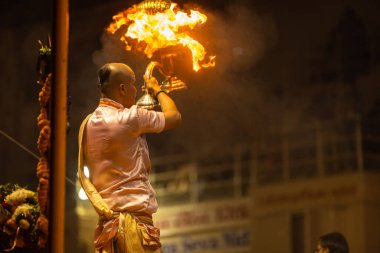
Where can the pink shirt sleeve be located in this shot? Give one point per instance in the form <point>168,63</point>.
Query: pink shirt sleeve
<point>149,121</point>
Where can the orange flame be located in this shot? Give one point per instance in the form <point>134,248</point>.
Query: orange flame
<point>162,29</point>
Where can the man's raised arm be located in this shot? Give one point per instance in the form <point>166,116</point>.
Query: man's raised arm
<point>172,115</point>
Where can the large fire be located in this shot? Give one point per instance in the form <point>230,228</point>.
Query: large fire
<point>154,31</point>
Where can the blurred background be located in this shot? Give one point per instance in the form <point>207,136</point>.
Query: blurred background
<point>279,143</point>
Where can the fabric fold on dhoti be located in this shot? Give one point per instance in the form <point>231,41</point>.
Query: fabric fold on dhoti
<point>128,233</point>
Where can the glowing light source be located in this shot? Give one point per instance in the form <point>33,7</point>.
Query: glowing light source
<point>82,195</point>
<point>149,32</point>
<point>86,171</point>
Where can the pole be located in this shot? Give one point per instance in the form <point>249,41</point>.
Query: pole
<point>59,121</point>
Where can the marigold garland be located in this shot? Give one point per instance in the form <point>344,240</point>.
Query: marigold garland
<point>43,173</point>
<point>23,222</point>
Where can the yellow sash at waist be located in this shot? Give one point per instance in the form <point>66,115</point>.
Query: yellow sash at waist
<point>128,233</point>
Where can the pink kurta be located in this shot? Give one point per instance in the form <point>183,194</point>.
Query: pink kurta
<point>116,153</point>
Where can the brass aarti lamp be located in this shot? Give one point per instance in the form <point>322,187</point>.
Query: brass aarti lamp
<point>155,28</point>
<point>164,64</point>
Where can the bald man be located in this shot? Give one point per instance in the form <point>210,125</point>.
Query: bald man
<point>113,145</point>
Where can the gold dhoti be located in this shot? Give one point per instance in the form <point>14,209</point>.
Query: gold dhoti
<point>129,233</point>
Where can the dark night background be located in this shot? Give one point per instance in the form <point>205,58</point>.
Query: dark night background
<point>279,63</point>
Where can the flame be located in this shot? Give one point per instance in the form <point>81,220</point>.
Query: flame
<point>160,30</point>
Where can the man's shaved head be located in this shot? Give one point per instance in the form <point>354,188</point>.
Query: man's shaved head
<point>111,75</point>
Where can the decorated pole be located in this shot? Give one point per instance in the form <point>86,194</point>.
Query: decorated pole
<point>59,123</point>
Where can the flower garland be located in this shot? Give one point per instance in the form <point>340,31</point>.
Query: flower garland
<point>43,173</point>
<point>43,141</point>
<point>19,214</point>
<point>23,221</point>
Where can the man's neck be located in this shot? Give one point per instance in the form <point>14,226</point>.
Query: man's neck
<point>105,101</point>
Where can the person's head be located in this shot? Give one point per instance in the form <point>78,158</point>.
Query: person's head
<point>116,81</point>
<point>332,243</point>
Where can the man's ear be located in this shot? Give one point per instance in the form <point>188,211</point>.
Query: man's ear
<point>122,89</point>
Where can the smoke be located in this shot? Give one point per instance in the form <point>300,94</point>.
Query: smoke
<point>113,50</point>
<point>238,35</point>
<point>241,35</point>
<point>222,104</point>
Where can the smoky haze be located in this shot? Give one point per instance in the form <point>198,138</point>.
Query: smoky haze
<point>221,104</point>
<point>261,78</point>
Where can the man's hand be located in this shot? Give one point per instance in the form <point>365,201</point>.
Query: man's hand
<point>152,85</point>
<point>171,113</point>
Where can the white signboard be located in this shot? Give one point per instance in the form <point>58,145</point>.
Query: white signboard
<point>225,241</point>
<point>202,216</point>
